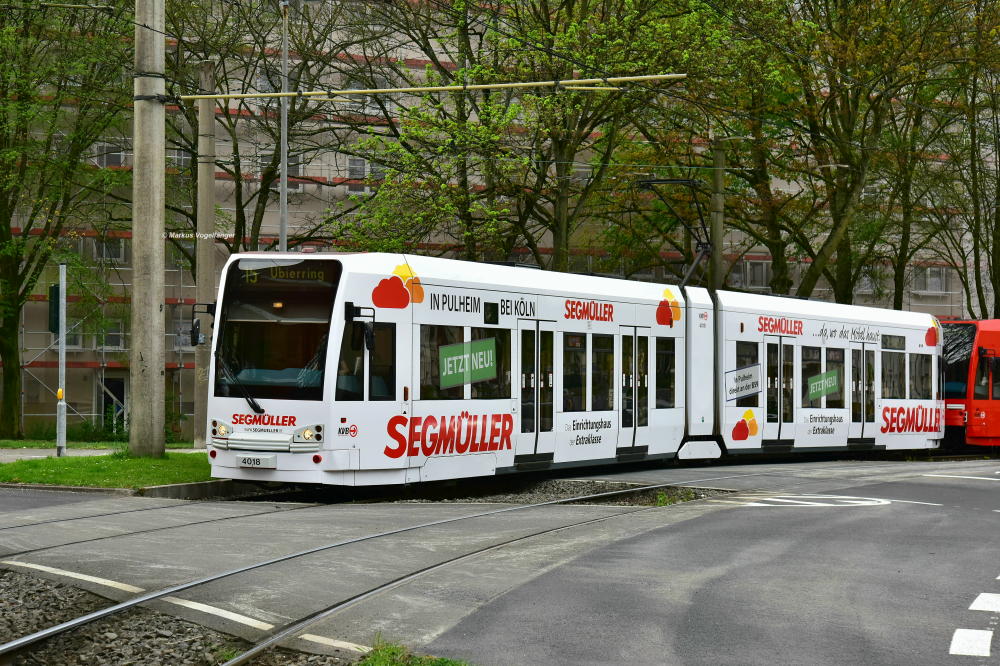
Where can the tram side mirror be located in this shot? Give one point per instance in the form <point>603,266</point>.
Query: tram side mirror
<point>196,337</point>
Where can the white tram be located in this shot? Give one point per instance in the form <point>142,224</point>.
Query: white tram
<point>364,369</point>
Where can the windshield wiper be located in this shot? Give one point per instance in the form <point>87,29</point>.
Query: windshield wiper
<point>254,405</point>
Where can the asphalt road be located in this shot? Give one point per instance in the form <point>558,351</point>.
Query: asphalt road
<point>830,562</point>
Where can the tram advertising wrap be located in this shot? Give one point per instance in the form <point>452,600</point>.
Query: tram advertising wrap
<point>366,369</point>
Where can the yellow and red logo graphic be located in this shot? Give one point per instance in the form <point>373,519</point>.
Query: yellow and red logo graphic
<point>746,428</point>
<point>669,309</point>
<point>933,335</point>
<point>398,290</point>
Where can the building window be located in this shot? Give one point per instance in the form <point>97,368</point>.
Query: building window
<point>357,169</point>
<point>108,155</point>
<point>931,279</point>
<point>113,336</point>
<point>294,170</point>
<point>180,159</point>
<point>110,250</point>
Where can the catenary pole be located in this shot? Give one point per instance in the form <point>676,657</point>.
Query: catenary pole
<point>147,354</point>
<point>718,204</point>
<point>61,392</point>
<point>204,247</point>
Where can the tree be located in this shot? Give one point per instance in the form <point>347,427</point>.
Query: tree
<point>63,88</point>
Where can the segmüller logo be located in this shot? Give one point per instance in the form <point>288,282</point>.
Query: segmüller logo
<point>398,290</point>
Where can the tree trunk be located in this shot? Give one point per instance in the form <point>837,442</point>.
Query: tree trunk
<point>10,404</point>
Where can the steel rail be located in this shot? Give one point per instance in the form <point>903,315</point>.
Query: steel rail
<point>30,639</point>
<point>311,619</point>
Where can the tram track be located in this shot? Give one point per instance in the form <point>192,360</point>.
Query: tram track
<point>24,642</point>
<point>27,641</point>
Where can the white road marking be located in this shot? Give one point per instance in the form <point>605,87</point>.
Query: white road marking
<point>221,612</point>
<point>971,642</point>
<point>987,602</point>
<point>79,576</point>
<point>956,476</point>
<point>193,605</point>
<point>344,645</point>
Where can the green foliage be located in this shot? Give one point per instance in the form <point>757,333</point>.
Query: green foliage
<point>389,654</point>
<point>116,470</point>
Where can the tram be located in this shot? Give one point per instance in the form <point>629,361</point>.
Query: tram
<point>971,359</point>
<point>370,369</point>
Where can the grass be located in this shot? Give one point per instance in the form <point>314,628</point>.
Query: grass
<point>50,444</point>
<point>387,654</point>
<point>116,470</point>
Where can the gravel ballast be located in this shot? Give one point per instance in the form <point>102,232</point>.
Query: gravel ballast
<point>138,636</point>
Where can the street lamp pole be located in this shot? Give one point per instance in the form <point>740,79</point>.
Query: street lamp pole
<point>283,185</point>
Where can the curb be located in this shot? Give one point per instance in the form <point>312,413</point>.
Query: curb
<point>69,489</point>
<point>220,488</point>
<point>200,490</point>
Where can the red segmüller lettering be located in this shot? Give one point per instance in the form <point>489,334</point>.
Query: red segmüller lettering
<point>263,419</point>
<point>591,310</point>
<point>465,433</point>
<point>911,419</point>
<point>779,325</point>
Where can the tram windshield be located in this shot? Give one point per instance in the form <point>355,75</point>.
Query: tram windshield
<point>273,325</point>
<point>958,342</point>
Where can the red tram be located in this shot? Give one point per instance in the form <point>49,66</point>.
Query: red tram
<point>972,382</point>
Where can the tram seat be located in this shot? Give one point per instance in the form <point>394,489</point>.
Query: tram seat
<point>349,388</point>
<point>378,390</point>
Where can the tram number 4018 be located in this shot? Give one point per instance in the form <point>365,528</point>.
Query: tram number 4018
<point>262,462</point>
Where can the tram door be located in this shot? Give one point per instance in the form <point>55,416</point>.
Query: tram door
<point>536,384</point>
<point>984,408</point>
<point>780,388</point>
<point>862,392</point>
<point>635,387</point>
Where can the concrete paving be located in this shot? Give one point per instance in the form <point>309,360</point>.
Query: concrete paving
<point>824,562</point>
<point>10,455</point>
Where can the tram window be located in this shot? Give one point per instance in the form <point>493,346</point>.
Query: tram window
<point>812,367</point>
<point>432,338</point>
<point>981,391</point>
<point>893,342</point>
<point>666,365</point>
<point>382,383</point>
<point>351,366</point>
<point>958,343</point>
<point>893,374</point>
<point>602,373</point>
<point>921,380</point>
<point>746,356</point>
<point>835,364</point>
<point>499,386</point>
<point>574,372</point>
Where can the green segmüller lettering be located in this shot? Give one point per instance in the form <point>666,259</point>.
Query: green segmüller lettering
<point>823,384</point>
<point>467,362</point>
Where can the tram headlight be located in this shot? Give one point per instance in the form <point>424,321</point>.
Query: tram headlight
<point>310,434</point>
<point>222,429</point>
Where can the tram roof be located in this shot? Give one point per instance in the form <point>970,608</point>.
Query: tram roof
<point>779,306</point>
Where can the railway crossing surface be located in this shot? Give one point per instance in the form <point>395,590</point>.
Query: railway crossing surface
<point>820,562</point>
